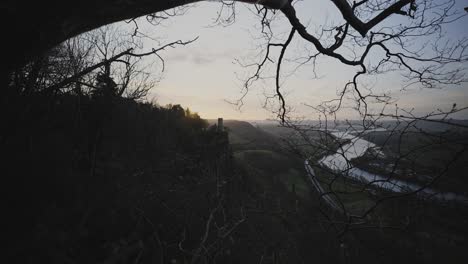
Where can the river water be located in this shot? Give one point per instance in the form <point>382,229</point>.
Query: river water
<point>339,162</point>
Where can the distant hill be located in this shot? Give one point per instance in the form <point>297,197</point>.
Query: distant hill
<point>243,135</point>
<point>432,125</point>
<point>428,125</point>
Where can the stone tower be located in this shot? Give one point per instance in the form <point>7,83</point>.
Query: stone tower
<point>220,124</point>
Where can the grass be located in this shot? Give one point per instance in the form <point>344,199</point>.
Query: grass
<point>271,166</point>
<point>349,192</point>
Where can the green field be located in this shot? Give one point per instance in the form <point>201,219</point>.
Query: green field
<point>262,154</point>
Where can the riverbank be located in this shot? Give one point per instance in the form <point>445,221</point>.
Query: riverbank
<point>341,163</point>
<point>419,158</point>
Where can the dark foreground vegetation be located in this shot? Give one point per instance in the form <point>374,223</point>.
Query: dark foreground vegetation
<point>88,177</point>
<point>105,179</point>
<point>98,179</point>
<point>94,174</point>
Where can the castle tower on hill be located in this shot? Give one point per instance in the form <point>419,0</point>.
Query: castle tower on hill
<point>220,124</point>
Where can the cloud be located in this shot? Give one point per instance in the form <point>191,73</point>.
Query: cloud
<point>203,59</point>
<point>178,57</point>
<point>194,58</point>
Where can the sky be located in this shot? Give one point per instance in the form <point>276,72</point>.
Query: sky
<point>206,75</point>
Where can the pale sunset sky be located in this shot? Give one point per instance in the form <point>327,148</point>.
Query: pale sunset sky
<point>206,74</point>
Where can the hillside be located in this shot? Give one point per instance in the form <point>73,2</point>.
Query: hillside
<point>260,152</point>
<point>243,135</point>
<point>112,180</point>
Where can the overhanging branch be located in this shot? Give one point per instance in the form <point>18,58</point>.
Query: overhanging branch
<point>348,14</point>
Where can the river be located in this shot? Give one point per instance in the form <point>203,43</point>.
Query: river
<point>339,162</point>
